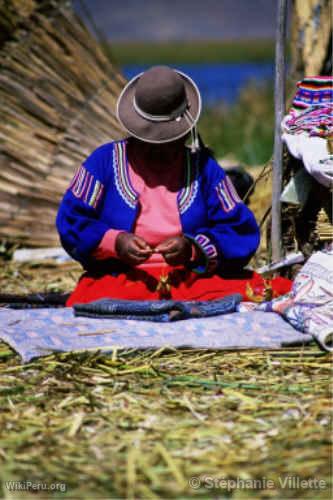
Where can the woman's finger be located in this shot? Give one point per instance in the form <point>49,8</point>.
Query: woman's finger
<point>167,246</point>
<point>139,249</point>
<point>141,243</point>
<point>171,255</point>
<point>136,251</point>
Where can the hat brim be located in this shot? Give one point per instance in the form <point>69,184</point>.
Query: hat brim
<point>157,132</point>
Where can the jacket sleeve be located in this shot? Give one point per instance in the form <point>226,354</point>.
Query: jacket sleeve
<point>231,235</point>
<point>78,223</point>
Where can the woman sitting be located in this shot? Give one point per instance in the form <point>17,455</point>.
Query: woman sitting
<point>147,217</point>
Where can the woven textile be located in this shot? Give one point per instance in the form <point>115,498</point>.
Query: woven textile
<point>316,120</point>
<point>39,332</point>
<point>313,91</point>
<point>312,108</point>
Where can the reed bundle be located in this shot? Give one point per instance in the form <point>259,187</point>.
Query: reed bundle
<point>57,103</point>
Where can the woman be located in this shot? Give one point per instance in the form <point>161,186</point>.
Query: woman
<point>150,219</point>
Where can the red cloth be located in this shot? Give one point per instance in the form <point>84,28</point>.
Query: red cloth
<point>139,284</point>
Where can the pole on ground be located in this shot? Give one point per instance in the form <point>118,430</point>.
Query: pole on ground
<point>279,102</point>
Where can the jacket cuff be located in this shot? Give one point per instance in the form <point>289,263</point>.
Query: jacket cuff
<point>107,247</point>
<point>207,255</point>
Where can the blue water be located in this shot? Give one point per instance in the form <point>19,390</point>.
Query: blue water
<point>218,82</point>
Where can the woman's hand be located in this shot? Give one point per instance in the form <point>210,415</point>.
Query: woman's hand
<point>177,251</point>
<point>132,249</point>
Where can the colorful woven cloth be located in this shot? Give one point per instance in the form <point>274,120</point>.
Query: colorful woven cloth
<point>309,124</point>
<point>312,91</point>
<point>39,332</point>
<point>317,121</point>
<point>312,108</point>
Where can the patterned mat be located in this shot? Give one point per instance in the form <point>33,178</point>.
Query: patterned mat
<point>39,332</point>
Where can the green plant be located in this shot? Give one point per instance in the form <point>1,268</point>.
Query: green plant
<point>245,129</point>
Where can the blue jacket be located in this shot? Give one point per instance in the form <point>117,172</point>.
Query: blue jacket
<point>101,197</point>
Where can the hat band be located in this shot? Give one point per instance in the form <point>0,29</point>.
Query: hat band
<point>161,118</point>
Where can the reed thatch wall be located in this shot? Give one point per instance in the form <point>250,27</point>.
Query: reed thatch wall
<point>57,101</point>
<point>311,47</point>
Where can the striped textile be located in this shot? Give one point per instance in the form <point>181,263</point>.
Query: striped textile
<point>227,194</point>
<point>86,187</point>
<point>317,121</point>
<point>317,90</point>
<point>312,108</point>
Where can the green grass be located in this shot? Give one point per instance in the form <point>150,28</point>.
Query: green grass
<point>244,130</point>
<point>192,52</point>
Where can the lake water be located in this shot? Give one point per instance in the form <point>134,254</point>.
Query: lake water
<point>218,82</point>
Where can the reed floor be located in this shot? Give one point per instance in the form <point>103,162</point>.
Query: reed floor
<point>144,424</point>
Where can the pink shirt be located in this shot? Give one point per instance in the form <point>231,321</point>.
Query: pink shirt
<point>158,217</point>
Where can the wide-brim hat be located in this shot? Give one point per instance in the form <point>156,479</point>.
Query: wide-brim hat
<point>159,105</point>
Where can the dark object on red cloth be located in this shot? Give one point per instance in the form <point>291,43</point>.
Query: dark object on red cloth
<point>157,310</point>
<point>175,284</point>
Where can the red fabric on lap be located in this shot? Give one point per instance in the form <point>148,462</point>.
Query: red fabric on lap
<point>139,284</point>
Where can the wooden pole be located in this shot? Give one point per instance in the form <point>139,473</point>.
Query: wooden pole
<point>279,101</point>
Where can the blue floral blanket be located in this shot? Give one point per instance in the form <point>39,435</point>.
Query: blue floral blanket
<point>39,332</point>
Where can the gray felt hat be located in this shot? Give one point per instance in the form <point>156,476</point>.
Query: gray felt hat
<point>159,105</point>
